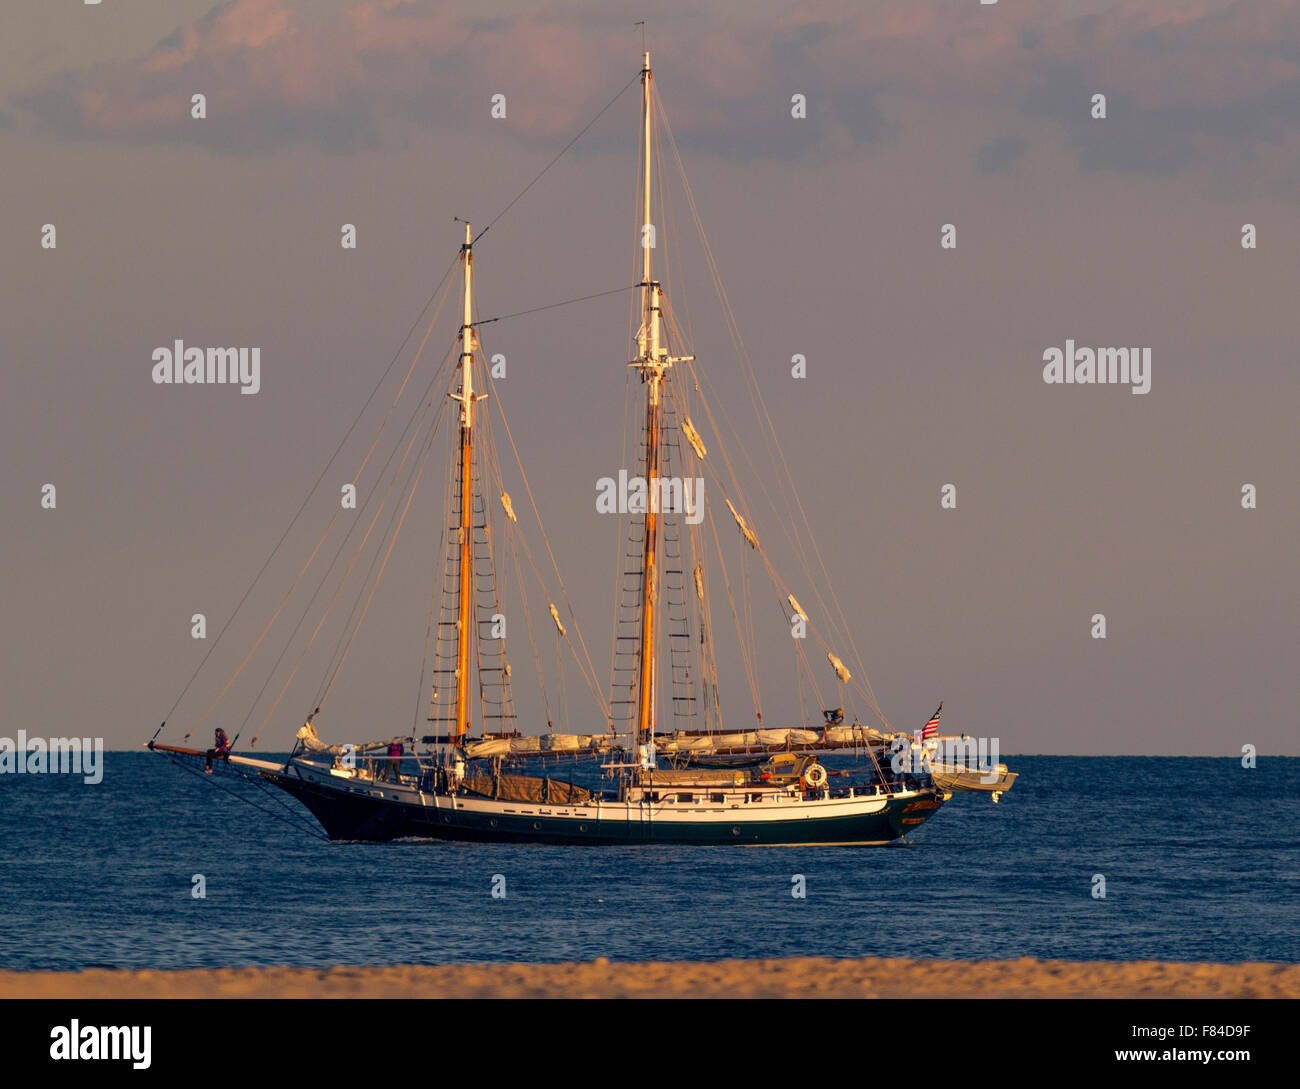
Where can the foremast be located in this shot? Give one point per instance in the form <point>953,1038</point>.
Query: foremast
<point>653,362</point>
<point>465,528</point>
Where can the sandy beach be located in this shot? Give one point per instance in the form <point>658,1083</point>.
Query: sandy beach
<point>811,977</point>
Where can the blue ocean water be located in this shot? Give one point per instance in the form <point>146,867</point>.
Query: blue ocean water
<point>1201,860</point>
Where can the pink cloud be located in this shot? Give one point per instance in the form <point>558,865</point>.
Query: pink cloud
<point>272,78</point>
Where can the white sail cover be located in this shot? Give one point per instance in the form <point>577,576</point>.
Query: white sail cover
<point>692,744</point>
<point>508,506</point>
<point>745,531</point>
<point>852,735</point>
<point>693,437</point>
<point>841,671</point>
<point>312,743</point>
<point>491,746</point>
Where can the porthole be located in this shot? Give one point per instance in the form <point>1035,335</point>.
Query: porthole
<point>537,824</point>
<point>582,828</point>
<point>494,822</point>
<point>735,831</point>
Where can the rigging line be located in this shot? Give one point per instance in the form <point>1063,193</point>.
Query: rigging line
<point>294,520</point>
<point>275,794</point>
<point>865,686</point>
<point>419,420</point>
<point>623,538</point>
<point>292,635</point>
<point>513,539</point>
<point>340,651</point>
<point>756,392</point>
<point>497,590</point>
<point>620,543</point>
<point>441,591</point>
<point>423,460</point>
<point>285,600</point>
<point>557,158</point>
<point>679,395</point>
<point>334,661</point>
<point>781,587</point>
<point>248,801</point>
<point>434,601</point>
<point>422,410</point>
<point>552,306</point>
<point>532,502</point>
<point>745,651</point>
<point>773,575</point>
<point>528,624</point>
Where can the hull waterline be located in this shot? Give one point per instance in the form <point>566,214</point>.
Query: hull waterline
<point>410,814</point>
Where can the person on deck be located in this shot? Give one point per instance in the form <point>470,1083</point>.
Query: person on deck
<point>393,765</point>
<point>221,747</point>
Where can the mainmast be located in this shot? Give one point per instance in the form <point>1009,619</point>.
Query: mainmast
<point>653,362</point>
<point>466,397</point>
<point>647,362</point>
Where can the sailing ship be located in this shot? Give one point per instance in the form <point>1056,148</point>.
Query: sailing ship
<point>670,768</point>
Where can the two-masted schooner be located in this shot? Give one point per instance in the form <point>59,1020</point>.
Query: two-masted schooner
<point>671,769</point>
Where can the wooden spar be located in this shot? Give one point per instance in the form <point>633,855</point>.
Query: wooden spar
<point>652,373</point>
<point>645,693</point>
<point>466,399</point>
<point>654,362</point>
<point>185,752</point>
<point>229,758</point>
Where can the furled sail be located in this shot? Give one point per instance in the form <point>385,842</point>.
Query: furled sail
<point>840,670</point>
<point>693,437</point>
<point>508,506</point>
<point>797,608</point>
<point>555,615</point>
<point>312,743</point>
<point>746,532</point>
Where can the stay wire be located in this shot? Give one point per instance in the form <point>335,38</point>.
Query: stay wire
<point>294,521</point>
<point>557,158</point>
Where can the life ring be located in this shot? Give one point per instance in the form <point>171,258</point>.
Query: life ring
<point>815,776</point>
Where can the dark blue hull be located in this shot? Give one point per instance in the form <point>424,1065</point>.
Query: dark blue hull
<point>350,816</point>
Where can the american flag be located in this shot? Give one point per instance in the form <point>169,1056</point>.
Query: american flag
<point>932,727</point>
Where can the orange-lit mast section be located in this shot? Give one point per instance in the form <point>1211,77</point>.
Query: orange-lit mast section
<point>653,361</point>
<point>651,368</point>
<point>466,398</point>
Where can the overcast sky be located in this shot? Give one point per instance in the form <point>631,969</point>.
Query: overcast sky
<point>925,364</point>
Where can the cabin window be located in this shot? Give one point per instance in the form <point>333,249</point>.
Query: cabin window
<point>686,797</point>
<point>654,795</point>
<point>756,797</point>
<point>719,798</point>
